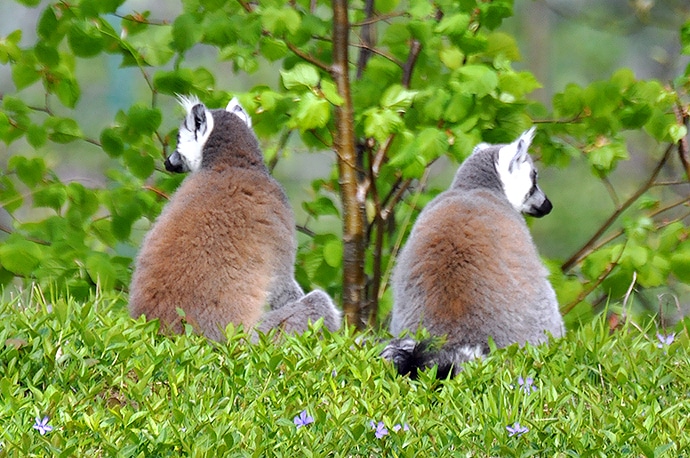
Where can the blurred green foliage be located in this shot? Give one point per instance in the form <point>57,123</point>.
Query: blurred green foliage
<point>437,80</point>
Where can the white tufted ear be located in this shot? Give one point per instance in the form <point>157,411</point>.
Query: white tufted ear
<point>515,169</point>
<point>188,101</point>
<point>235,108</point>
<point>191,137</point>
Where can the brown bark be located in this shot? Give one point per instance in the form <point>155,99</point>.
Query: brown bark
<point>354,244</point>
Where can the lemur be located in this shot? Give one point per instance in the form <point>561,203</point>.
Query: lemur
<point>224,245</point>
<point>470,271</point>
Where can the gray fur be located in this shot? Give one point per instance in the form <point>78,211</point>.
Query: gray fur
<point>470,270</point>
<point>295,317</point>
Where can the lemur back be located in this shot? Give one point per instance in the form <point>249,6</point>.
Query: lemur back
<point>470,270</point>
<point>224,245</point>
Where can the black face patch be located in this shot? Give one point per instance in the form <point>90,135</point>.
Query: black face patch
<point>175,168</point>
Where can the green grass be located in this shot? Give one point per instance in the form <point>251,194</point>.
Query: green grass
<point>111,386</point>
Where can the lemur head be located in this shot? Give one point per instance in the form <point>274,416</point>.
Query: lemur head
<point>195,131</point>
<point>518,176</point>
<point>508,169</point>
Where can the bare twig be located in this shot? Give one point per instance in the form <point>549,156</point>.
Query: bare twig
<point>367,39</point>
<point>308,57</point>
<point>579,254</point>
<point>415,48</point>
<point>683,119</point>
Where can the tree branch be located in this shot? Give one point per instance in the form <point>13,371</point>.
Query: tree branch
<point>354,282</point>
<point>682,117</point>
<point>579,254</point>
<point>308,57</point>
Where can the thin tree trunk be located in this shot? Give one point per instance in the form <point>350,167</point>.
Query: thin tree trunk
<point>354,280</point>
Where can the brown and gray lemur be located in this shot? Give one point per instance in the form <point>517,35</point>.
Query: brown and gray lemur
<point>470,270</point>
<point>224,246</point>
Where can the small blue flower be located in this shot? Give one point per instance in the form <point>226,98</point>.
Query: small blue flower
<point>517,430</point>
<point>303,419</point>
<point>527,384</point>
<point>404,427</point>
<point>665,339</point>
<point>42,426</point>
<point>380,429</point>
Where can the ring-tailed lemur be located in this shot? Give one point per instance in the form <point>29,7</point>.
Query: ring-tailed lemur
<point>470,270</point>
<point>224,246</point>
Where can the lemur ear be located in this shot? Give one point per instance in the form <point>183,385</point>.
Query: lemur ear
<point>235,108</point>
<point>521,147</point>
<point>188,102</point>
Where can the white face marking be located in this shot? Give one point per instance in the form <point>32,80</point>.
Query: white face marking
<point>515,170</point>
<point>193,133</point>
<point>235,108</point>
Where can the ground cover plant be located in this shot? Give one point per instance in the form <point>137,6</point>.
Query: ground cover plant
<point>83,379</point>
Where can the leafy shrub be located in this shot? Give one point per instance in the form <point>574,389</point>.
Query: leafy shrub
<point>438,80</point>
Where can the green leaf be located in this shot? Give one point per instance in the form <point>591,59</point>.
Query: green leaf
<point>47,54</point>
<point>67,91</point>
<point>186,32</point>
<point>397,98</point>
<point>380,123</point>
<point>10,198</point>
<point>139,162</point>
<point>52,196</point>
<point>685,38</point>
<point>26,71</point>
<point>85,39</point>
<point>452,57</point>
<point>47,26</point>
<point>479,80</point>
<point>322,206</point>
<point>143,120</point>
<point>312,112</point>
<point>605,157</point>
<point>20,256</point>
<point>62,130</point>
<point>300,76</point>
<point>153,45</point>
<point>333,252</point>
<point>677,132</point>
<point>569,103</point>
<point>30,3</point>
<point>36,135</point>
<point>385,6</point>
<point>680,263</point>
<point>330,91</point>
<point>29,171</point>
<point>111,142</point>
<point>454,24</point>
<point>273,49</point>
<point>180,81</point>
<point>101,270</point>
<point>280,21</point>
<point>503,44</point>
<point>420,9</point>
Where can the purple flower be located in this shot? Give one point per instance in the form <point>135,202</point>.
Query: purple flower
<point>303,419</point>
<point>665,339</point>
<point>527,384</point>
<point>404,427</point>
<point>516,430</point>
<point>380,429</point>
<point>42,426</point>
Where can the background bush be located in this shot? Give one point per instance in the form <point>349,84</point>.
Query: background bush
<point>426,81</point>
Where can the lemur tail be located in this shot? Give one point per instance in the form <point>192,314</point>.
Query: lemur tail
<point>410,356</point>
